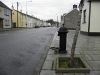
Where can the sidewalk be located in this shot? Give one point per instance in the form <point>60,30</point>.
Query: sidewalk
<point>88,47</point>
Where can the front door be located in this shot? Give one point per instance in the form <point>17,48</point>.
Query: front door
<point>14,25</point>
<point>1,23</point>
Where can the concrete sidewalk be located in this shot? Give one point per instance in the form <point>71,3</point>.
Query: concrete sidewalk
<point>88,47</point>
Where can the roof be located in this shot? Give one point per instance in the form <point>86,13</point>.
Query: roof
<point>81,2</point>
<point>3,5</point>
<point>93,0</point>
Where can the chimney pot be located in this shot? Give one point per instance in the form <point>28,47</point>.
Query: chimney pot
<point>74,6</point>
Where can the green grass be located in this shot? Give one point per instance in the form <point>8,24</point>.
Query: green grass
<point>63,62</point>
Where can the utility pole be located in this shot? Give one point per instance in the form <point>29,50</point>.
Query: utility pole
<point>17,14</point>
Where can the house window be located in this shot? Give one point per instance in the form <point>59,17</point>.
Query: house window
<point>84,16</point>
<point>6,12</point>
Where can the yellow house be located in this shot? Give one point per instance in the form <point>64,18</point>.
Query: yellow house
<point>18,19</point>
<point>21,20</point>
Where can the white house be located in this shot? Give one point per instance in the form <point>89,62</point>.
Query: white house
<point>30,21</point>
<point>5,16</point>
<point>34,21</point>
<point>90,16</point>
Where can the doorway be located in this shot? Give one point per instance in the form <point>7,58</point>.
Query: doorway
<point>1,23</point>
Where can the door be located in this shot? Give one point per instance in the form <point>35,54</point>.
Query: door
<point>1,23</point>
<point>14,25</point>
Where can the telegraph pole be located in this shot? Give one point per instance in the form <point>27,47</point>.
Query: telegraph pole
<point>17,14</point>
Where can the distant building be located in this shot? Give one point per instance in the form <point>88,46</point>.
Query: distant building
<point>90,16</point>
<point>5,16</point>
<point>71,19</point>
<point>31,21</point>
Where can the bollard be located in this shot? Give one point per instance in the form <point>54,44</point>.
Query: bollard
<point>62,33</point>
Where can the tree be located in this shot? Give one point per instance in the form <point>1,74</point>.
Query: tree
<point>74,46</point>
<point>51,21</point>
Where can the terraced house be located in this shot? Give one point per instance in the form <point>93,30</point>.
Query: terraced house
<point>21,20</point>
<point>18,19</point>
<point>90,17</point>
<point>5,16</point>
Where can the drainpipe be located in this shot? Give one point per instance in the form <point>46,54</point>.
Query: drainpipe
<point>89,17</point>
<point>17,14</point>
<point>11,20</point>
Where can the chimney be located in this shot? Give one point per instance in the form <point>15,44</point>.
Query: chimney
<point>74,6</point>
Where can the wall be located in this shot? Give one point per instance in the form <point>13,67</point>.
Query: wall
<point>21,19</point>
<point>7,18</point>
<point>6,15</point>
<point>84,26</point>
<point>95,17</point>
<point>1,12</point>
<point>14,15</point>
<point>71,19</point>
<point>29,22</point>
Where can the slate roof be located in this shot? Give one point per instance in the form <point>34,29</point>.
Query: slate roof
<point>3,5</point>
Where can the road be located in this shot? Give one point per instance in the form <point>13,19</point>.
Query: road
<point>22,52</point>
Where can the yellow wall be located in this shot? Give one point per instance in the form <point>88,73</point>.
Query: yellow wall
<point>21,18</point>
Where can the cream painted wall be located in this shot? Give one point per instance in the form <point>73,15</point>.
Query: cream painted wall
<point>14,15</point>
<point>24,20</point>
<point>84,26</point>
<point>95,17</point>
<point>29,22</point>
<point>1,12</point>
<point>6,18</point>
<point>21,19</point>
<point>34,22</point>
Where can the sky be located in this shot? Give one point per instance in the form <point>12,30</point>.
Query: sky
<point>43,9</point>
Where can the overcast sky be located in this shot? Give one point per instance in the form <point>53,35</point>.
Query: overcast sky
<point>44,9</point>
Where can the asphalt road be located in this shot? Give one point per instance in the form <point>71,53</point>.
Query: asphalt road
<point>22,52</point>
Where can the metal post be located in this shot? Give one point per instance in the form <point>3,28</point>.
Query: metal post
<point>26,13</point>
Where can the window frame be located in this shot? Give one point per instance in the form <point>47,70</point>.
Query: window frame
<point>84,16</point>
